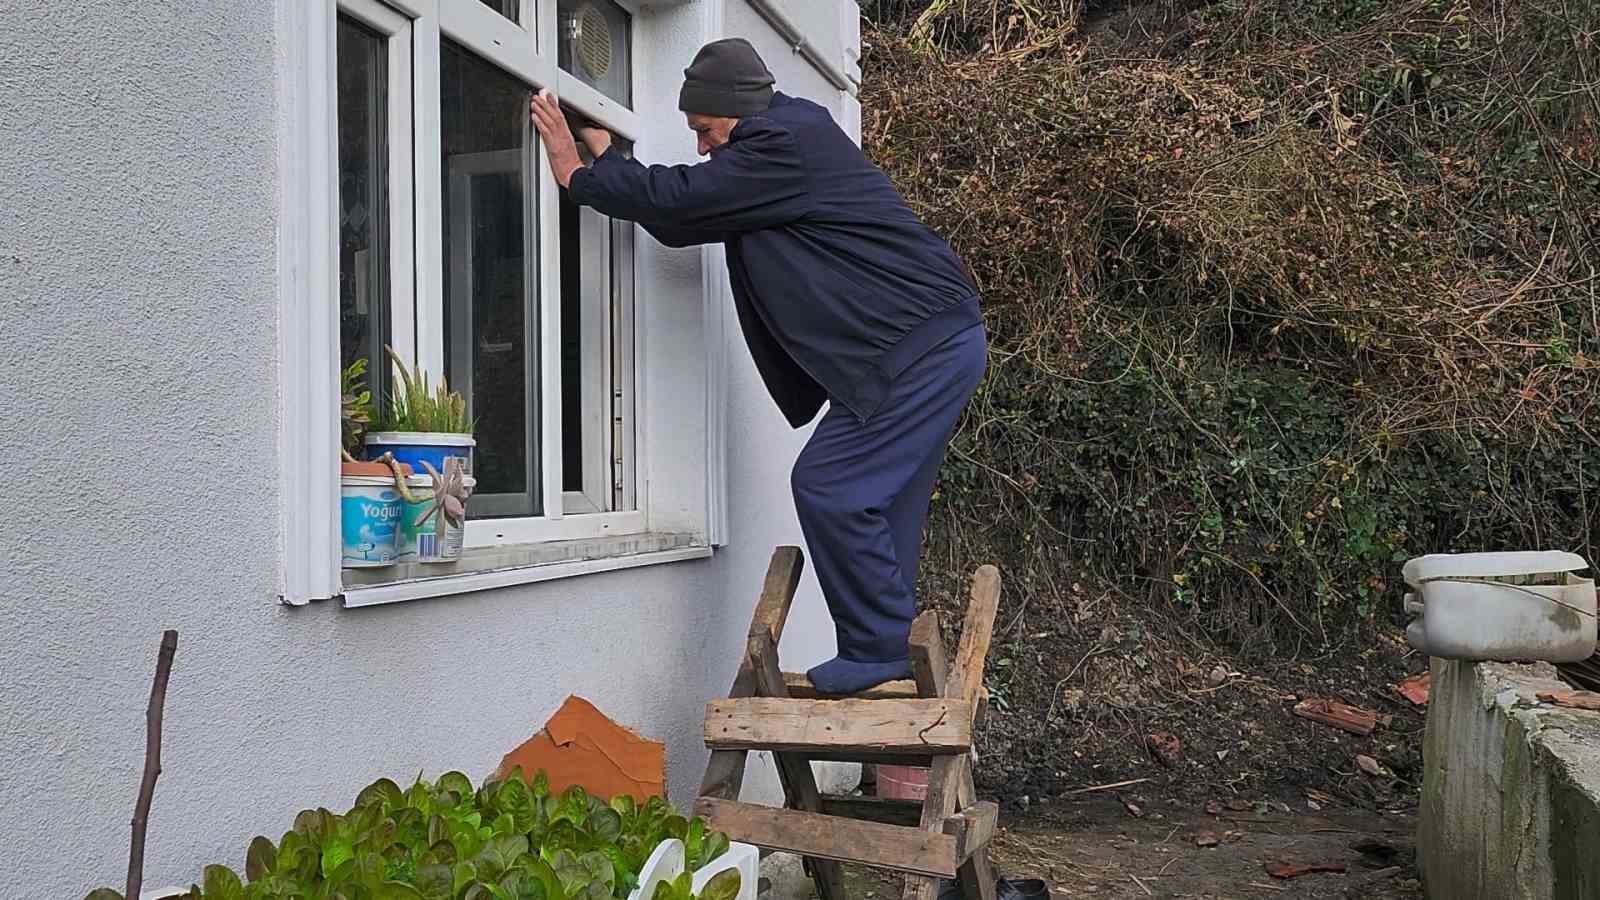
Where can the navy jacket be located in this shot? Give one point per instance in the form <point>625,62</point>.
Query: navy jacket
<point>838,285</point>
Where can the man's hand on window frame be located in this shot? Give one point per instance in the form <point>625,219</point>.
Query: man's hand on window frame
<point>551,122</point>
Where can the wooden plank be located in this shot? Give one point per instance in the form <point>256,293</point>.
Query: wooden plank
<point>973,828</point>
<point>929,667</point>
<point>777,592</point>
<point>725,770</point>
<point>810,834</point>
<point>931,673</point>
<point>944,790</point>
<point>794,770</point>
<point>874,809</point>
<point>930,670</point>
<point>977,877</point>
<point>966,674</point>
<point>801,688</point>
<point>935,726</point>
<point>874,757</point>
<point>724,774</point>
<point>920,887</point>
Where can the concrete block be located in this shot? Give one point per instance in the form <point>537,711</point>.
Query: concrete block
<point>783,877</point>
<point>1511,790</point>
<point>836,777</point>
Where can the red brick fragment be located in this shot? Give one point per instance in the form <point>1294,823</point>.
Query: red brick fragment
<point>1338,715</point>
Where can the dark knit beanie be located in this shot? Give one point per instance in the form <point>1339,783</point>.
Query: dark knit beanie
<point>727,78</point>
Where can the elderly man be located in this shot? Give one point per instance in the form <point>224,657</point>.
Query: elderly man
<point>843,295</point>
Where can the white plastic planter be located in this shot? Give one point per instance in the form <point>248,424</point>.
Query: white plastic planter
<point>1478,607</point>
<point>668,860</point>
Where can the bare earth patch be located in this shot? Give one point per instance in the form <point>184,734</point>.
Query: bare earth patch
<point>1097,848</point>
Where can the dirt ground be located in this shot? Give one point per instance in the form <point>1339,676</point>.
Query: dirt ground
<point>1098,848</point>
<point>1090,687</point>
<point>1119,738</point>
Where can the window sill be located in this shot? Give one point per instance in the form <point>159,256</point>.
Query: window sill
<point>487,568</point>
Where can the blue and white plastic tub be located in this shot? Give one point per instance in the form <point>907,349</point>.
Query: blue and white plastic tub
<point>369,521</point>
<point>416,447</point>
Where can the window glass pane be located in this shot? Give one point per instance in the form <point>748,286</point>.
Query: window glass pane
<point>363,199</point>
<point>572,320</point>
<point>596,352</point>
<point>490,308</point>
<point>507,8</point>
<point>594,46</point>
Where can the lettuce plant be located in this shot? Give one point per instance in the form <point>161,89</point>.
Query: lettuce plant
<point>506,840</point>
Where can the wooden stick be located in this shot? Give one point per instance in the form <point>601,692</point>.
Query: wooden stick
<point>152,762</point>
<point>1104,787</point>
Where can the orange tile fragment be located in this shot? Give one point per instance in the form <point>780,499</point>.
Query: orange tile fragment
<point>582,746</point>
<point>1416,688</point>
<point>1573,699</point>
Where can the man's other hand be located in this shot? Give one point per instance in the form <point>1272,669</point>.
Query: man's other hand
<point>597,139</point>
<point>557,136</point>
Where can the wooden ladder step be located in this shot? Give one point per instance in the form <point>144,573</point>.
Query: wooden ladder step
<point>934,726</point>
<point>801,688</point>
<point>898,847</point>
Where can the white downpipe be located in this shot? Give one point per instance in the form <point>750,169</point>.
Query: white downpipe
<point>796,39</point>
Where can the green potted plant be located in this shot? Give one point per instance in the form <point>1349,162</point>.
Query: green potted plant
<point>423,422</point>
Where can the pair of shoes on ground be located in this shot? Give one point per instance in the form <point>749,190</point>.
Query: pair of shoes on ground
<point>1004,889</point>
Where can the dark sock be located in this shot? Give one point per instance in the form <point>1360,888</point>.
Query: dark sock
<point>839,676</point>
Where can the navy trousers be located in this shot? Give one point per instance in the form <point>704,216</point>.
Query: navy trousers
<point>862,491</point>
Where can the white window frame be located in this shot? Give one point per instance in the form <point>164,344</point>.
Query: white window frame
<point>309,272</point>
<point>529,55</point>
<point>402,239</point>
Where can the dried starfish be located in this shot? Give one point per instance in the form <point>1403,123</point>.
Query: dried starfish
<point>449,497</point>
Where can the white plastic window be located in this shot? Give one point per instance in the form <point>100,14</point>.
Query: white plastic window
<point>457,248</point>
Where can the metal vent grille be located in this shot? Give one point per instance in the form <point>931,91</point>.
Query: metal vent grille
<point>594,49</point>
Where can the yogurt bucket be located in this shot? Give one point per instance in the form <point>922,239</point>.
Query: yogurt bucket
<point>369,521</point>
<point>413,448</point>
<point>419,539</point>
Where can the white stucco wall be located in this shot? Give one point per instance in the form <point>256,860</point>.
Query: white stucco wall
<point>139,411</point>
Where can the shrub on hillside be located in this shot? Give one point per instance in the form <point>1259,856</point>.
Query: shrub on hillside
<point>1277,301</point>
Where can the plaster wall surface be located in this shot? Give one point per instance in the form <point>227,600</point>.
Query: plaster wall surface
<point>139,410</point>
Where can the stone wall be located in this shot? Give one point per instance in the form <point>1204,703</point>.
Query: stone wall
<point>1511,794</point>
